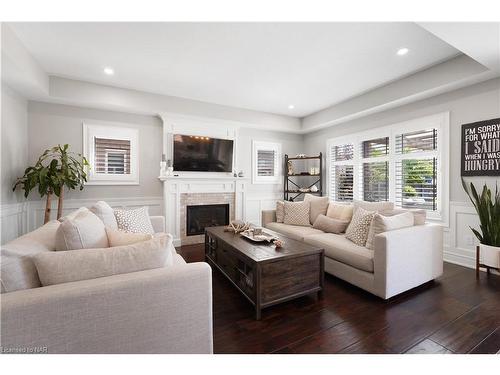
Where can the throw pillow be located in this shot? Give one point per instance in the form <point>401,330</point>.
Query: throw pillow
<point>297,213</point>
<point>104,212</point>
<point>381,224</point>
<point>357,231</point>
<point>68,266</point>
<point>340,211</point>
<point>280,211</point>
<point>120,238</point>
<point>135,221</point>
<point>373,206</point>
<point>419,215</point>
<point>318,206</point>
<point>84,231</point>
<point>73,214</point>
<point>330,225</point>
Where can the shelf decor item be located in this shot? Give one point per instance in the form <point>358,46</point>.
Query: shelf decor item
<point>310,181</point>
<point>54,170</point>
<point>163,166</point>
<point>487,206</point>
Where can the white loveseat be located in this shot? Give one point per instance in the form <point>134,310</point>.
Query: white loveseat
<point>162,310</point>
<point>401,260</point>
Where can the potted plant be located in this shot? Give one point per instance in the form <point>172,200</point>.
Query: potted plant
<point>54,170</point>
<point>487,207</point>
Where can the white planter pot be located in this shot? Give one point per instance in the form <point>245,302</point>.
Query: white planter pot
<point>490,255</point>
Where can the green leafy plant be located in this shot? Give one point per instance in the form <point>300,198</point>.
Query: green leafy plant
<point>487,207</point>
<point>56,169</point>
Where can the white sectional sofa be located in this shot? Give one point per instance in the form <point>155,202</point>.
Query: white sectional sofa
<point>162,310</point>
<point>401,260</point>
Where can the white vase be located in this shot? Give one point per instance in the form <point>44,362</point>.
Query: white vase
<point>490,255</point>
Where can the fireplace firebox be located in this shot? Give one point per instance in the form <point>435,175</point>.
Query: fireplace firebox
<point>198,217</point>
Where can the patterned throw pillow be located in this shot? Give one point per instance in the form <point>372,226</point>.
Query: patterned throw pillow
<point>357,231</point>
<point>280,211</point>
<point>134,221</point>
<point>297,213</point>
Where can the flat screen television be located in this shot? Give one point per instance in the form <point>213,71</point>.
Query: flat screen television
<point>202,154</point>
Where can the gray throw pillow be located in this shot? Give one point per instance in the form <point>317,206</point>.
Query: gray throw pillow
<point>58,267</point>
<point>330,225</point>
<point>297,213</point>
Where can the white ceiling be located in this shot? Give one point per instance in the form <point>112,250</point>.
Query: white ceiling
<point>259,66</point>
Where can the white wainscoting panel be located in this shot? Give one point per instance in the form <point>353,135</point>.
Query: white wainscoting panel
<point>14,220</point>
<point>459,241</point>
<point>20,218</point>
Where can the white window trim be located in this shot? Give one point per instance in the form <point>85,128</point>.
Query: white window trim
<point>268,146</point>
<point>440,121</point>
<point>112,132</point>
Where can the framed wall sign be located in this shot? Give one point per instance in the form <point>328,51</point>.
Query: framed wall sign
<point>481,148</point>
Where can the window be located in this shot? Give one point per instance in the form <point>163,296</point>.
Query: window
<point>266,162</point>
<point>405,163</point>
<point>342,167</point>
<point>416,169</point>
<point>375,170</point>
<point>112,155</point>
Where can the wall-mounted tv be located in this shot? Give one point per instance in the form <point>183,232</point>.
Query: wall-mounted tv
<point>202,154</point>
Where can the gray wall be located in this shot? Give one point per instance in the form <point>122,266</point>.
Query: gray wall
<point>52,124</point>
<point>14,143</point>
<point>474,103</point>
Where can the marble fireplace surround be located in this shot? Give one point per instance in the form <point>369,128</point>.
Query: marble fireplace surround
<point>181,191</point>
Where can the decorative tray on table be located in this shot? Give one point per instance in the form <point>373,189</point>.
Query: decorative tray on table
<point>262,237</point>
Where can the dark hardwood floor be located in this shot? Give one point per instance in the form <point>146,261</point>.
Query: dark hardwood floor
<point>454,314</point>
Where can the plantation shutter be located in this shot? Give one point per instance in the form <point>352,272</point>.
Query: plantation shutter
<point>416,171</point>
<point>342,172</point>
<point>375,173</point>
<point>112,156</point>
<point>266,160</point>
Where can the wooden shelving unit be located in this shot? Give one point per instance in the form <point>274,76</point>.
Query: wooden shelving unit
<point>290,185</point>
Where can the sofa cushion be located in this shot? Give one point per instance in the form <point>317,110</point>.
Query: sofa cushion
<point>296,232</point>
<point>120,238</point>
<point>330,225</point>
<point>135,221</point>
<point>106,213</point>
<point>358,229</point>
<point>381,224</point>
<point>341,249</point>
<point>84,231</point>
<point>317,206</point>
<point>419,215</point>
<point>373,206</point>
<point>58,267</point>
<point>16,257</point>
<point>280,211</point>
<point>340,211</point>
<point>297,213</point>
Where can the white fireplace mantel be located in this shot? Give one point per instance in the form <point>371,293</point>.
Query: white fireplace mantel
<point>175,186</point>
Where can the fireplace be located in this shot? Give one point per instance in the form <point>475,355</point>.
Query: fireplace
<point>198,217</point>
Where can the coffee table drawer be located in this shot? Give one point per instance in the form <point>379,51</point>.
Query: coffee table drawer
<point>285,278</point>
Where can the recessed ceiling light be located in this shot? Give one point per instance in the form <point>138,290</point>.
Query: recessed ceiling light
<point>291,106</point>
<point>109,71</point>
<point>402,51</point>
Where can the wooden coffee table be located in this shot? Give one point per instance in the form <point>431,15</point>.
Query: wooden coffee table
<point>264,275</point>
